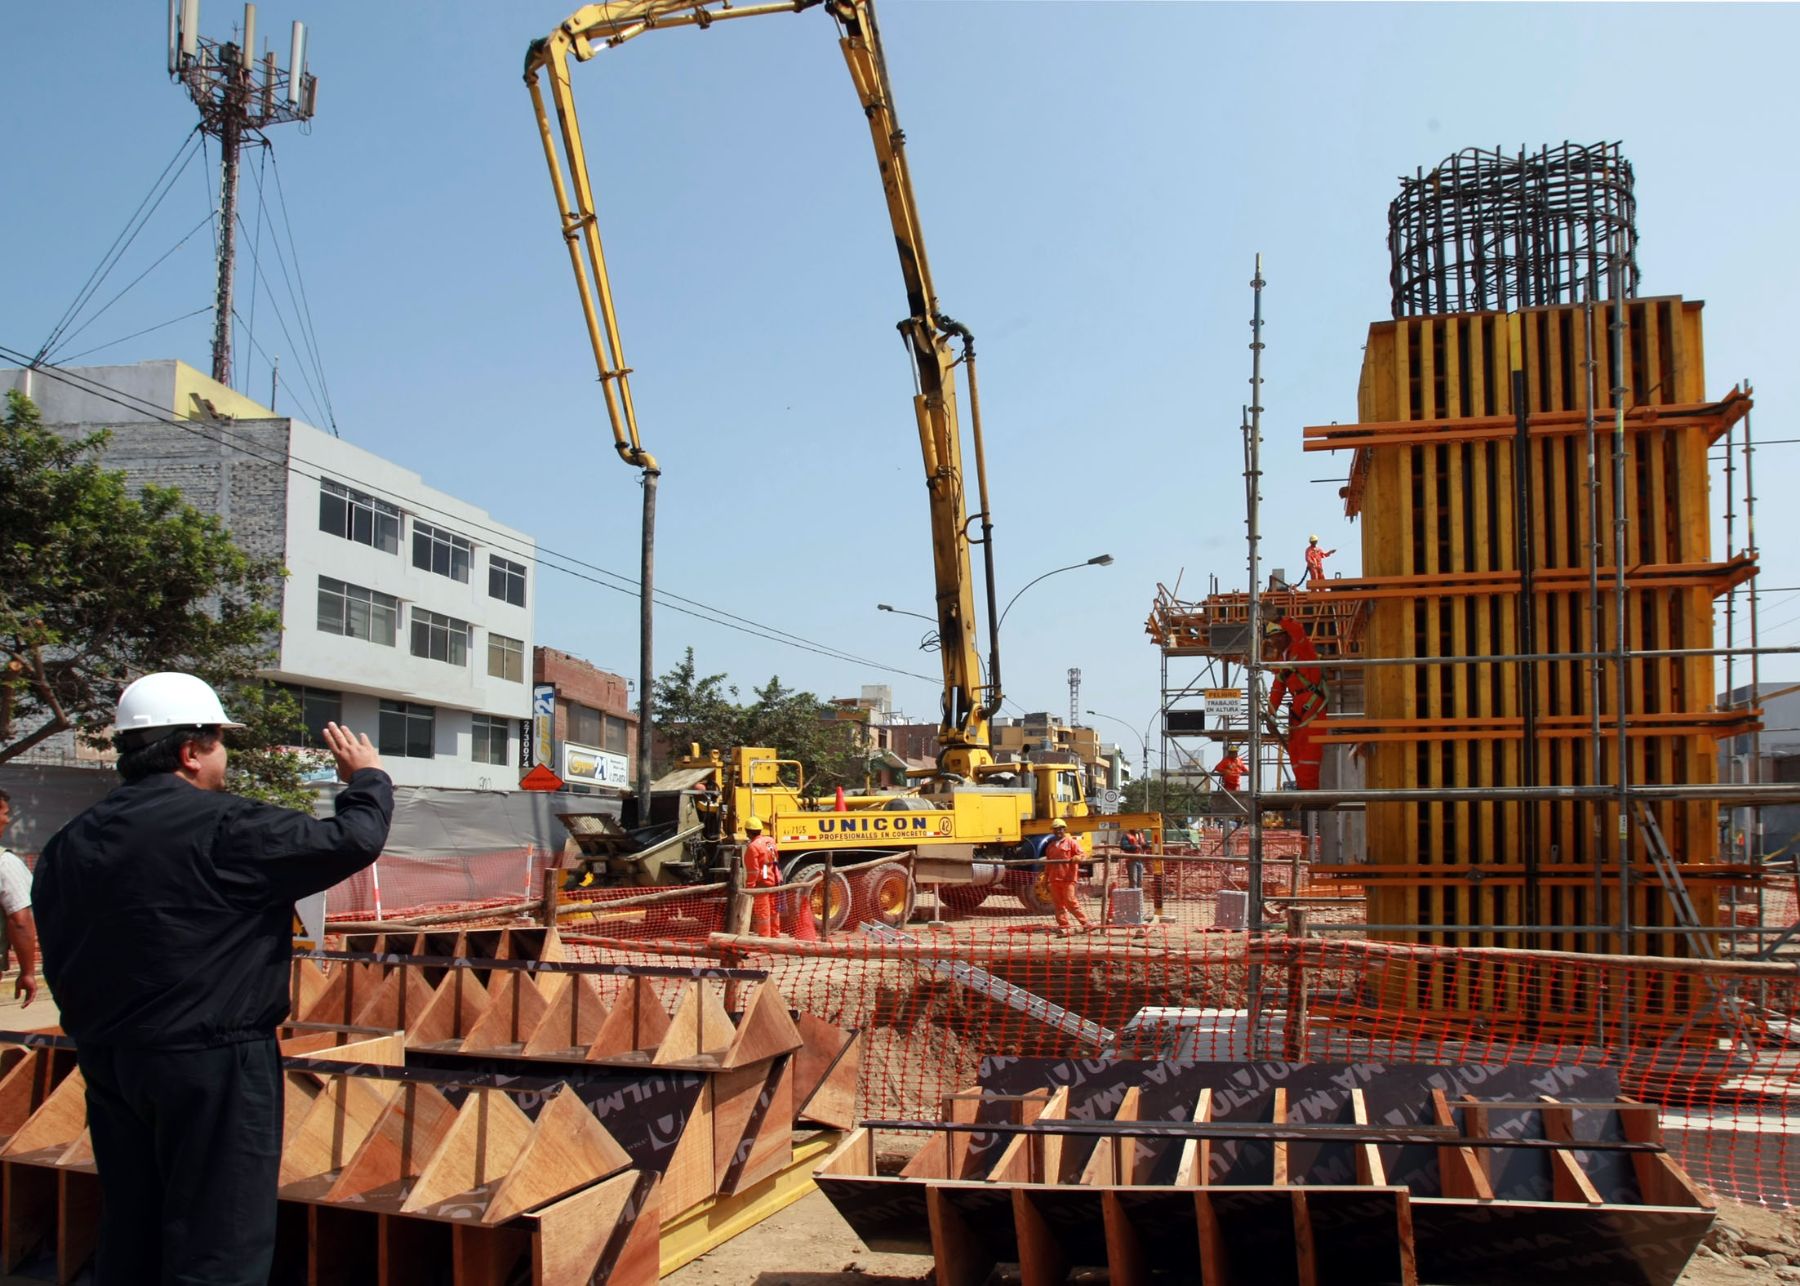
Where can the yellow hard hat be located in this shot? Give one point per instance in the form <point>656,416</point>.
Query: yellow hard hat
<point>1059,825</point>
<point>1312,540</point>
<point>753,823</point>
<point>1273,627</point>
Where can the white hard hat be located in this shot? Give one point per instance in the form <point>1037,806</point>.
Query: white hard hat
<point>1312,540</point>
<point>170,700</point>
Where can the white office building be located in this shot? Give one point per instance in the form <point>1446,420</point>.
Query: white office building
<point>406,612</point>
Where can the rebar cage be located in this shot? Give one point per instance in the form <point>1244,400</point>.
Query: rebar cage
<point>1489,232</point>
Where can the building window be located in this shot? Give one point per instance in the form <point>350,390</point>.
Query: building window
<point>489,740</point>
<point>615,735</point>
<point>440,551</point>
<point>354,515</point>
<point>440,638</point>
<point>407,729</point>
<point>506,580</point>
<point>356,612</point>
<point>506,657</point>
<point>318,707</point>
<point>584,725</point>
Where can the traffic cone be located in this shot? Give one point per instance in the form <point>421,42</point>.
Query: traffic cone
<point>840,806</point>
<point>805,929</point>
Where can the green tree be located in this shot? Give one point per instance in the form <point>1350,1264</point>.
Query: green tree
<point>98,587</point>
<point>694,707</point>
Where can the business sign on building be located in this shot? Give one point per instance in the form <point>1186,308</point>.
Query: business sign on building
<point>1225,704</point>
<point>586,766</point>
<point>543,724</point>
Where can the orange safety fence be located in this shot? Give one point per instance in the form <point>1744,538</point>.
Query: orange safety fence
<point>1714,1045</point>
<point>396,887</point>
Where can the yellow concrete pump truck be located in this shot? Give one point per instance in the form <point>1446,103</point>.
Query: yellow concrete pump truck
<point>966,814</point>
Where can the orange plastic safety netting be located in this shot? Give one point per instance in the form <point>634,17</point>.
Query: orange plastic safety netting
<point>1714,1046</point>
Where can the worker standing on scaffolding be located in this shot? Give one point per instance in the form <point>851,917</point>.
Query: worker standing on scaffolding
<point>166,913</point>
<point>1303,685</point>
<point>1230,770</point>
<point>1315,562</point>
<point>762,870</point>
<point>1062,867</point>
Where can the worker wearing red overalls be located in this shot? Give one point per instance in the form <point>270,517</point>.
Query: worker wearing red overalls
<point>1315,561</point>
<point>1231,770</point>
<point>1062,857</point>
<point>762,870</point>
<point>1304,687</point>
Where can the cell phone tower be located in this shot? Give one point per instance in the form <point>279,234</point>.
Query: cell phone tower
<point>239,96</point>
<point>1074,696</point>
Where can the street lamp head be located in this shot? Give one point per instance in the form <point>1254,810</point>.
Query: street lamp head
<point>884,607</point>
<point>1100,560</point>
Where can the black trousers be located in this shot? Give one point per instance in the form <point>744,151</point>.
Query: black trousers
<point>188,1144</point>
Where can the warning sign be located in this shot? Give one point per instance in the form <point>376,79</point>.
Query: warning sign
<point>1225,704</point>
<point>541,778</point>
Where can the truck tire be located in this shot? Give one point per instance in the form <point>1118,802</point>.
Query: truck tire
<point>886,896</point>
<point>842,903</point>
<point>1025,889</point>
<point>962,899</point>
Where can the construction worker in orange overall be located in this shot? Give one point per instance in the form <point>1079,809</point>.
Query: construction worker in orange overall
<point>762,870</point>
<point>1304,687</point>
<point>1231,769</point>
<point>1062,856</point>
<point>1315,561</point>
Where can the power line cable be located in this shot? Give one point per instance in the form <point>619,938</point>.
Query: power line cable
<point>568,564</point>
<point>203,308</point>
<point>122,242</point>
<point>305,304</point>
<point>70,335</point>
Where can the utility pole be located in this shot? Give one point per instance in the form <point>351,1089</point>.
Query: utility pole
<point>238,97</point>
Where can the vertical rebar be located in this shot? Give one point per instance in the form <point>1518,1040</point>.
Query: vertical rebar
<point>1596,749</point>
<point>1622,687</point>
<point>1525,553</point>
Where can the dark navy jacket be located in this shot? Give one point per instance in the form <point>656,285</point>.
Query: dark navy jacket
<point>165,912</point>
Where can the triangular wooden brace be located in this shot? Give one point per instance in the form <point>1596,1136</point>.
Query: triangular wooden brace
<point>22,1090</point>
<point>637,1022</point>
<point>700,1029</point>
<point>515,1008</point>
<point>384,1051</point>
<point>306,984</point>
<point>768,1145</point>
<point>687,1179</point>
<point>568,1149</point>
<point>734,1097</point>
<point>402,1139</point>
<point>300,1089</point>
<point>572,1020</point>
<point>477,1150</point>
<point>57,1123</point>
<point>573,1233</point>
<point>832,1099</point>
<point>402,998</point>
<point>80,1152</point>
<point>349,987</point>
<point>456,1006</point>
<point>337,1124</point>
<point>764,1031</point>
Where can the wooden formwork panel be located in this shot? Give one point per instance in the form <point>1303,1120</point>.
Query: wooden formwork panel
<point>1433,481</point>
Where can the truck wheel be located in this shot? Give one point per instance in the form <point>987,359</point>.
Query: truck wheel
<point>836,891</point>
<point>887,896</point>
<point>962,899</point>
<point>1026,891</point>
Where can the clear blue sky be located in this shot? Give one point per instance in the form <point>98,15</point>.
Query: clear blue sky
<point>1095,180</point>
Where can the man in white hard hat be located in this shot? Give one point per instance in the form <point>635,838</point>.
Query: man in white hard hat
<point>165,913</point>
<point>1315,561</point>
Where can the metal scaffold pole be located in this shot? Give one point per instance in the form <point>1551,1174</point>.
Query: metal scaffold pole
<point>1253,910</point>
<point>1621,679</point>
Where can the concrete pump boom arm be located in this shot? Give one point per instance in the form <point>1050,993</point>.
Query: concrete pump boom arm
<point>968,704</point>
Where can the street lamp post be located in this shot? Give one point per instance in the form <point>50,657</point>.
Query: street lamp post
<point>1143,745</point>
<point>900,611</point>
<point>1098,560</point>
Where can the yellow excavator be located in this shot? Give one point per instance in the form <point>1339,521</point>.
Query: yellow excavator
<point>968,812</point>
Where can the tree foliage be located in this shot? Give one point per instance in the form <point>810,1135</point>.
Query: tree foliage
<point>700,708</point>
<point>98,587</point>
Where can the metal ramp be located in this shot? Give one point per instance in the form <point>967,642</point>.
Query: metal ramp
<point>980,980</point>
